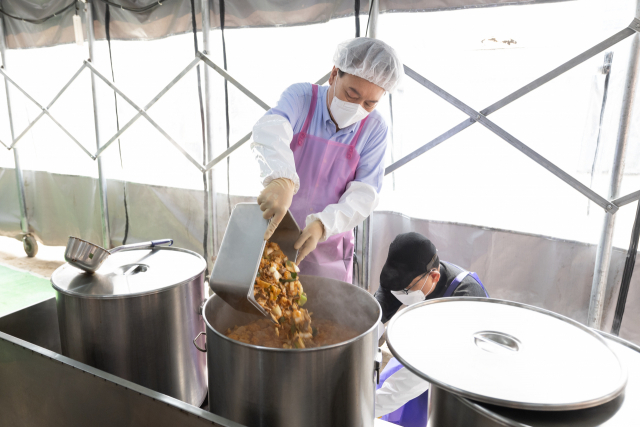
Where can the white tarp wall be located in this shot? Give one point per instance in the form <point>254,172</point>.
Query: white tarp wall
<point>475,178</point>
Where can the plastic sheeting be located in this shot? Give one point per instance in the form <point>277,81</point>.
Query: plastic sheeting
<point>173,17</point>
<point>550,273</point>
<point>542,271</point>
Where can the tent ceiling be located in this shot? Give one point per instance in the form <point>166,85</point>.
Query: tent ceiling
<point>173,16</point>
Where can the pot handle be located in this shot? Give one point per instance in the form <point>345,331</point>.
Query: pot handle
<point>377,362</point>
<point>204,350</point>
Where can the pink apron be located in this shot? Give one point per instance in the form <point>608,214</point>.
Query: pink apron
<point>325,168</point>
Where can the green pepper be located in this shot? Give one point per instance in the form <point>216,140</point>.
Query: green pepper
<point>314,331</point>
<point>281,319</point>
<point>282,280</point>
<point>303,299</point>
<point>293,328</point>
<point>294,276</point>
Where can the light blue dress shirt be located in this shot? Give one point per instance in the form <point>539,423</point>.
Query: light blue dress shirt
<point>294,106</point>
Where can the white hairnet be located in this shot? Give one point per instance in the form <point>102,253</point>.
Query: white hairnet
<point>370,59</point>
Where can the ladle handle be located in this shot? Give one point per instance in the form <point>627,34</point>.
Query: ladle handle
<point>151,244</point>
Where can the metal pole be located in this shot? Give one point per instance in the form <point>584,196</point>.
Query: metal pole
<point>24,223</point>
<point>102,181</point>
<point>603,254</point>
<point>373,20</point>
<point>212,244</point>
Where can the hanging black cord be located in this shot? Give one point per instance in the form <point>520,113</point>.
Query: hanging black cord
<point>204,140</point>
<point>629,265</point>
<point>226,101</point>
<point>366,33</point>
<point>356,11</point>
<point>608,60</point>
<point>107,29</point>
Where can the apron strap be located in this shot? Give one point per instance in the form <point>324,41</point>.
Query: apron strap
<point>355,139</point>
<point>459,278</point>
<point>312,109</point>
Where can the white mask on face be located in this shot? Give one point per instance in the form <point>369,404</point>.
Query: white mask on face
<point>346,113</point>
<point>412,297</point>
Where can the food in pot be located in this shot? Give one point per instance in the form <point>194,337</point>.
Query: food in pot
<point>279,291</point>
<point>263,333</point>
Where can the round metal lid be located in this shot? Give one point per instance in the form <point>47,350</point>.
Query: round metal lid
<point>131,273</point>
<point>506,354</point>
<point>622,411</point>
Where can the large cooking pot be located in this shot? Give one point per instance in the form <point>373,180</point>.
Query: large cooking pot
<point>448,409</point>
<point>506,355</point>
<point>315,387</point>
<point>135,318</point>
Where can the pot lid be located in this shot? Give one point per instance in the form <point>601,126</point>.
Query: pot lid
<point>622,411</point>
<point>131,273</point>
<point>506,354</point>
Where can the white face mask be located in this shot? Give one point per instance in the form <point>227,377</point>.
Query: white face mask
<point>412,297</point>
<point>346,113</point>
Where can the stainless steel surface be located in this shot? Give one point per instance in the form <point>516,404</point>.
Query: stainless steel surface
<point>136,318</point>
<point>603,256</point>
<point>132,273</point>
<point>24,222</point>
<point>102,180</point>
<point>621,35</point>
<point>235,270</point>
<point>327,386</point>
<point>43,388</point>
<point>625,200</point>
<point>89,257</point>
<point>516,143</point>
<point>37,324</point>
<point>447,409</point>
<point>506,353</point>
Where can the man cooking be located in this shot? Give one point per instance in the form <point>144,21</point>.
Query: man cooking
<point>414,273</point>
<point>321,152</point>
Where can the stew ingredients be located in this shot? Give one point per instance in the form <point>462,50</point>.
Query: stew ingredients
<point>279,291</point>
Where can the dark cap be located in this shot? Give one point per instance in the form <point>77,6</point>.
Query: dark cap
<point>410,255</point>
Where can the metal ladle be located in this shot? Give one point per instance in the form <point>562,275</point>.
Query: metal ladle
<point>89,257</point>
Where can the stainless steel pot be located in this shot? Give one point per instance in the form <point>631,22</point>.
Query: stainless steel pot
<point>448,409</point>
<point>135,318</point>
<point>326,386</point>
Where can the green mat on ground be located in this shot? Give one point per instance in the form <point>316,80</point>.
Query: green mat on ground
<point>19,289</point>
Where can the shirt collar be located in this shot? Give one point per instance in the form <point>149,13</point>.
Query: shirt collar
<point>326,117</point>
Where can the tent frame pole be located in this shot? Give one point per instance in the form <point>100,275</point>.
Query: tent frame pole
<point>102,181</point>
<point>605,245</point>
<point>367,226</point>
<point>24,222</point>
<point>212,243</point>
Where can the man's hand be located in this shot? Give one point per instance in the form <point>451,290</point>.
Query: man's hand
<point>309,239</point>
<point>274,201</point>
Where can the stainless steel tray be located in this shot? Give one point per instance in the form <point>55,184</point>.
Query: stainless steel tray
<point>236,267</point>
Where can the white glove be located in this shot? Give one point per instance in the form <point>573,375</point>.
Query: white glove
<point>308,240</point>
<point>274,201</point>
<point>401,387</point>
<point>272,135</point>
<point>357,203</point>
